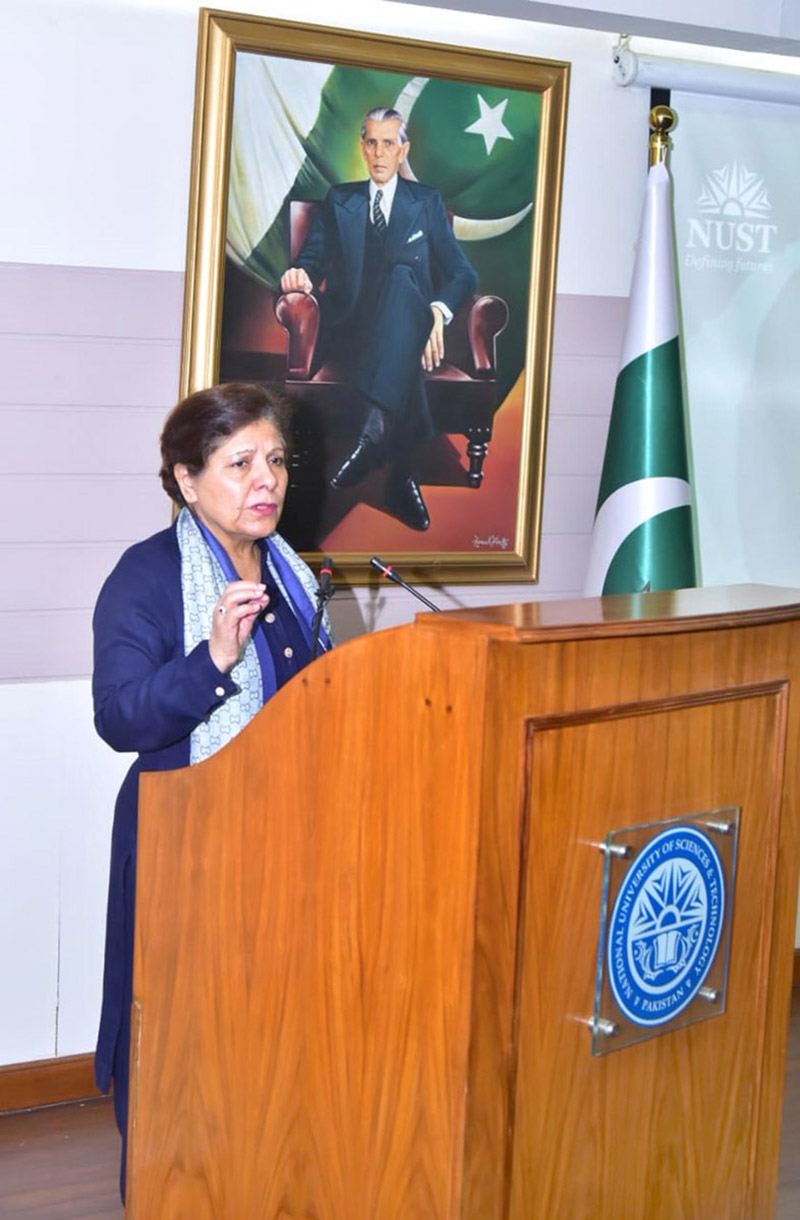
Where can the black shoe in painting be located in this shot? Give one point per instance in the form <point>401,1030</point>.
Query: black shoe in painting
<point>358,465</point>
<point>404,501</point>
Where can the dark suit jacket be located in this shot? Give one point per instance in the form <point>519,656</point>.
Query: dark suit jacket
<point>419,236</point>
<point>148,697</point>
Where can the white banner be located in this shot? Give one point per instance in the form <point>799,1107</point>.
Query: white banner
<point>737,225</point>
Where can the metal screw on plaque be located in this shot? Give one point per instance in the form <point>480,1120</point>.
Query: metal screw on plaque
<point>722,828</point>
<point>709,993</point>
<point>600,1025</point>
<point>623,850</point>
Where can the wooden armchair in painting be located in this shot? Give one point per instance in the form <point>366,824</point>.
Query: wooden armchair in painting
<point>462,392</point>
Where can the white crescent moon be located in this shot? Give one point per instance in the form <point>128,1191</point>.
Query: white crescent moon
<point>463,228</point>
<point>480,230</point>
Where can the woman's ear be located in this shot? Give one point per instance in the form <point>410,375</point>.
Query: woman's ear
<point>185,482</point>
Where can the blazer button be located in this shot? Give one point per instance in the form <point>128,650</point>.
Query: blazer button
<point>219,691</point>
<point>287,652</point>
<point>269,618</point>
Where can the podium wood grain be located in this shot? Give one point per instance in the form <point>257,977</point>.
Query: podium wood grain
<point>306,1055</point>
<point>366,928</point>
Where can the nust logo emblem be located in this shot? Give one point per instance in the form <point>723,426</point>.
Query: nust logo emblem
<point>734,191</point>
<point>666,925</point>
<point>734,213</point>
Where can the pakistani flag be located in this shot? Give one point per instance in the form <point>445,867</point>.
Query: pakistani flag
<point>295,133</point>
<point>642,536</point>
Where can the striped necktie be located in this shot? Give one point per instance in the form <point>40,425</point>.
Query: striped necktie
<point>378,218</point>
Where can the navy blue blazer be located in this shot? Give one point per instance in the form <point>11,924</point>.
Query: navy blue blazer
<point>148,697</point>
<point>419,236</point>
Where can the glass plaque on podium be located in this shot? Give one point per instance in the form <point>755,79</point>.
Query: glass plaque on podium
<point>662,962</point>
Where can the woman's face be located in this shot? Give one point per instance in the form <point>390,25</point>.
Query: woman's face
<point>239,493</point>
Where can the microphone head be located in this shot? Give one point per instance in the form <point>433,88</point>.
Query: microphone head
<point>325,585</point>
<point>379,565</point>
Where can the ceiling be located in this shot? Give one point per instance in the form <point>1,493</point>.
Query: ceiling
<point>750,25</point>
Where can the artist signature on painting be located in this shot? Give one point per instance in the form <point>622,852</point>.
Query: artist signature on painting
<point>494,542</point>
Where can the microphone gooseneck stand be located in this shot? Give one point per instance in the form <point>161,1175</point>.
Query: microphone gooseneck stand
<point>325,591</point>
<point>388,571</point>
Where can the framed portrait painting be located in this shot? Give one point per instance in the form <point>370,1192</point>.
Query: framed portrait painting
<point>373,228</point>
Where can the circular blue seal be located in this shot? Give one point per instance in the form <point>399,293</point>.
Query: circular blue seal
<point>666,925</point>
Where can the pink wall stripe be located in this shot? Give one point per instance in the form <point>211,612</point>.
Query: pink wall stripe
<point>90,361</point>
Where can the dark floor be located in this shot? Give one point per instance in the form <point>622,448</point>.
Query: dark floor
<point>61,1163</point>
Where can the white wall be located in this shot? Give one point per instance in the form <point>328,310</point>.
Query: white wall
<point>58,783</point>
<point>108,123</point>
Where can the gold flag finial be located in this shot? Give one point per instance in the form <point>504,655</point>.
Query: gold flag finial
<point>661,119</point>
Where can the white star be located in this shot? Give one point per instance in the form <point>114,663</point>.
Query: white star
<point>490,125</point>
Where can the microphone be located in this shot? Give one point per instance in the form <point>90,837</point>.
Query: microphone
<point>388,571</point>
<point>325,591</point>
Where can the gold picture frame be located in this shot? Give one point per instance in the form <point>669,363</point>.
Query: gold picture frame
<point>482,530</point>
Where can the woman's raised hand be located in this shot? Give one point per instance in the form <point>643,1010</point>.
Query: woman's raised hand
<point>232,621</point>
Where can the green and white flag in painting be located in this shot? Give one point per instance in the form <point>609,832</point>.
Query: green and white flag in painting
<point>295,133</point>
<point>642,537</point>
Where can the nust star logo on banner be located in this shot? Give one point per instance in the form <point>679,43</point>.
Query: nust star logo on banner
<point>666,925</point>
<point>732,230</point>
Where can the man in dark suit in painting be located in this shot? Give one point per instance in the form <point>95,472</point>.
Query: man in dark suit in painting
<point>394,276</point>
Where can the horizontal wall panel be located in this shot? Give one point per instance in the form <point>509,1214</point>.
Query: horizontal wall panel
<point>39,644</point>
<point>55,575</point>
<point>583,385</point>
<point>79,440</point>
<point>569,504</point>
<point>45,370</point>
<point>575,444</point>
<point>589,326</point>
<point>90,301</point>
<point>70,508</point>
<point>564,562</point>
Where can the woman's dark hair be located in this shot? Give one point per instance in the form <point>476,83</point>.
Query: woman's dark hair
<point>201,422</point>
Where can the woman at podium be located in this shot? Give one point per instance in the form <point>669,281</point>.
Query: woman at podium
<point>195,629</point>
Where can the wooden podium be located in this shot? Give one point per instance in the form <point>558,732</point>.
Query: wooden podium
<point>367,930</point>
